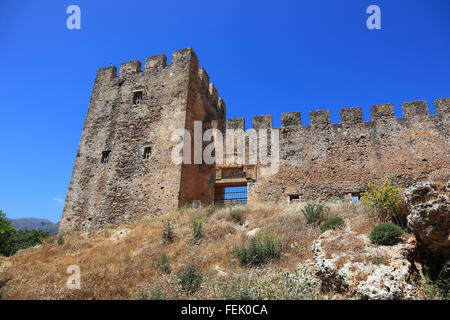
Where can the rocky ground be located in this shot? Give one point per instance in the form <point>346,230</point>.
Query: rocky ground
<point>119,263</point>
<point>347,262</point>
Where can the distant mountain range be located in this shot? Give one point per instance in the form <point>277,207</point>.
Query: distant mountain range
<point>36,224</point>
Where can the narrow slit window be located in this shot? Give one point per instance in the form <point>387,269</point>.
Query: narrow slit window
<point>137,97</point>
<point>294,197</point>
<point>105,156</point>
<point>147,152</point>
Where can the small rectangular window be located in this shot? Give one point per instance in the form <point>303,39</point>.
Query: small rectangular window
<point>105,156</point>
<point>147,152</point>
<point>137,97</point>
<point>356,197</point>
<point>294,197</point>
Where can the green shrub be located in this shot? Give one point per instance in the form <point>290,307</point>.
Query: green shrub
<point>12,241</point>
<point>23,239</point>
<point>331,198</point>
<point>211,209</point>
<point>6,234</point>
<point>386,234</point>
<point>333,223</point>
<point>237,215</point>
<point>313,212</point>
<point>266,245</point>
<point>60,240</point>
<point>163,264</point>
<point>436,271</point>
<point>155,294</point>
<point>168,234</point>
<point>197,229</point>
<point>436,289</point>
<point>191,279</point>
<point>377,260</point>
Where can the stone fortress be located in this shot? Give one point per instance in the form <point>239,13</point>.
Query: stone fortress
<point>124,171</point>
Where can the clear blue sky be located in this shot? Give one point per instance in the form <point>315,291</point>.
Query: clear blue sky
<point>264,58</point>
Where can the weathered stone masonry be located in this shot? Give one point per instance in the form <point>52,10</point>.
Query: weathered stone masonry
<point>318,160</point>
<point>326,159</point>
<point>128,186</point>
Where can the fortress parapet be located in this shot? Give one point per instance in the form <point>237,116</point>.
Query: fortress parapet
<point>325,159</point>
<point>352,116</point>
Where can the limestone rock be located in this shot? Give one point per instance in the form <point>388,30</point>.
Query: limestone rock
<point>220,271</point>
<point>120,234</point>
<point>253,232</point>
<point>429,219</point>
<point>348,263</point>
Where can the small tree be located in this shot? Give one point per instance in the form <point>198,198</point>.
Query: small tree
<point>265,246</point>
<point>333,223</point>
<point>237,215</point>
<point>163,264</point>
<point>168,234</point>
<point>197,229</point>
<point>6,236</point>
<point>23,239</point>
<point>313,212</point>
<point>386,200</point>
<point>60,240</point>
<point>191,279</point>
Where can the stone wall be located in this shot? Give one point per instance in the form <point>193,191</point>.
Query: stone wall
<point>326,159</point>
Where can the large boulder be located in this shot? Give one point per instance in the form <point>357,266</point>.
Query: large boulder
<point>429,217</point>
<point>348,263</point>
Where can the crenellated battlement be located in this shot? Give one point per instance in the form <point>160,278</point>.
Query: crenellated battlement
<point>262,122</point>
<point>184,61</point>
<point>353,116</point>
<point>326,158</point>
<point>236,123</point>
<point>179,58</point>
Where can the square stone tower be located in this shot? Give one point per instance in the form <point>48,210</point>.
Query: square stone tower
<point>123,168</point>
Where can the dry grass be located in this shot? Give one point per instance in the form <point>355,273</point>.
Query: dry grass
<point>118,269</point>
<point>359,217</point>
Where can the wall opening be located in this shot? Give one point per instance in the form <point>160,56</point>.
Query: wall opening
<point>294,197</point>
<point>137,97</point>
<point>231,195</point>
<point>105,156</point>
<point>147,152</point>
<point>356,197</point>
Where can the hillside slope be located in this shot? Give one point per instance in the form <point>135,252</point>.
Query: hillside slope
<point>119,263</point>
